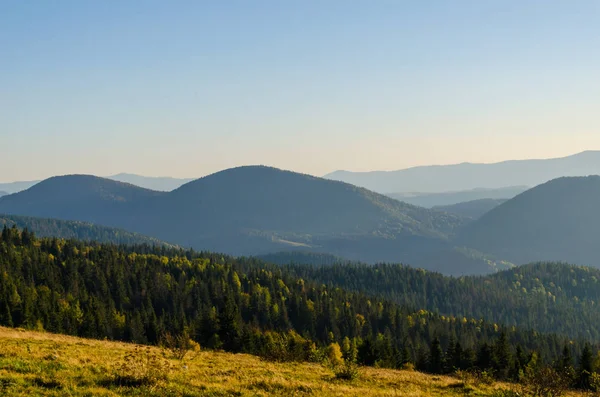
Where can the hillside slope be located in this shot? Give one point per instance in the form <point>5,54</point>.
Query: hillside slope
<point>35,363</point>
<point>237,304</point>
<point>77,197</point>
<point>547,297</point>
<point>43,227</point>
<point>556,221</point>
<point>441,178</point>
<point>471,209</point>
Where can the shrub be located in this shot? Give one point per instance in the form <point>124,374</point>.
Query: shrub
<point>346,371</point>
<point>475,377</point>
<point>179,346</point>
<point>408,367</point>
<point>141,367</point>
<point>544,382</point>
<point>333,355</point>
<point>595,382</point>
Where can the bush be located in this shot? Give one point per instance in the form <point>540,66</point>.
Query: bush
<point>544,382</point>
<point>333,355</point>
<point>475,377</point>
<point>346,371</point>
<point>408,367</point>
<point>142,367</point>
<point>180,345</point>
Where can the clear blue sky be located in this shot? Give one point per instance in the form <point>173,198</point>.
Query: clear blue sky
<point>185,88</point>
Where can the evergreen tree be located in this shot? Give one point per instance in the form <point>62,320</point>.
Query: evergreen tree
<point>501,356</point>
<point>436,357</point>
<point>585,369</point>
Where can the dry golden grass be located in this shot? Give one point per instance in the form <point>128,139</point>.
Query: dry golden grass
<point>42,364</point>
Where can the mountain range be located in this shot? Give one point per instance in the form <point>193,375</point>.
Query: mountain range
<point>431,200</point>
<point>465,176</point>
<point>257,210</point>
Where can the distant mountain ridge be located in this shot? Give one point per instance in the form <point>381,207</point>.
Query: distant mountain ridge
<point>76,197</point>
<point>431,200</point>
<point>257,210</point>
<point>472,209</point>
<point>162,184</point>
<point>441,178</point>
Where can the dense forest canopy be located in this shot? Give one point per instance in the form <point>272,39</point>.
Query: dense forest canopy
<point>139,293</point>
<point>547,297</point>
<point>77,230</point>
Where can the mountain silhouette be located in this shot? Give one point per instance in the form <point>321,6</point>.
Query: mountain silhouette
<point>558,220</point>
<point>250,210</point>
<point>444,178</point>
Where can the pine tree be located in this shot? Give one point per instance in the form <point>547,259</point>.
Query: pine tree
<point>585,369</point>
<point>436,357</point>
<point>484,357</point>
<point>501,357</point>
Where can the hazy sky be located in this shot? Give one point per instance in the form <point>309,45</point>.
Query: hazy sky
<point>185,88</point>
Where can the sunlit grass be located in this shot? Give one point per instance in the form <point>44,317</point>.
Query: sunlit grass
<point>42,364</point>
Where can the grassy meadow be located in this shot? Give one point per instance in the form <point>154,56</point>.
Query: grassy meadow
<point>44,364</point>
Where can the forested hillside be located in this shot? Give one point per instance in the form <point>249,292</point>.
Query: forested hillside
<point>141,294</point>
<point>77,230</point>
<point>77,197</point>
<point>471,209</point>
<point>556,221</point>
<point>547,297</point>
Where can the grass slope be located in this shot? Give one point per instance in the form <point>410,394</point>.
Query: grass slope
<point>35,364</point>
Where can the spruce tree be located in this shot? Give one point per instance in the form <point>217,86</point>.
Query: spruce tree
<point>436,357</point>
<point>585,369</point>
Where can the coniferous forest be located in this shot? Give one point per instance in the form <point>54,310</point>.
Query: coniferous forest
<point>143,293</point>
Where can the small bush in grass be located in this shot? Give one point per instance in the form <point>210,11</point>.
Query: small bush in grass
<point>408,367</point>
<point>179,346</point>
<point>475,377</point>
<point>333,354</point>
<point>346,371</point>
<point>141,367</point>
<point>544,382</point>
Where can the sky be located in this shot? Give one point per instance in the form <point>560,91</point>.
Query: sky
<point>187,88</point>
